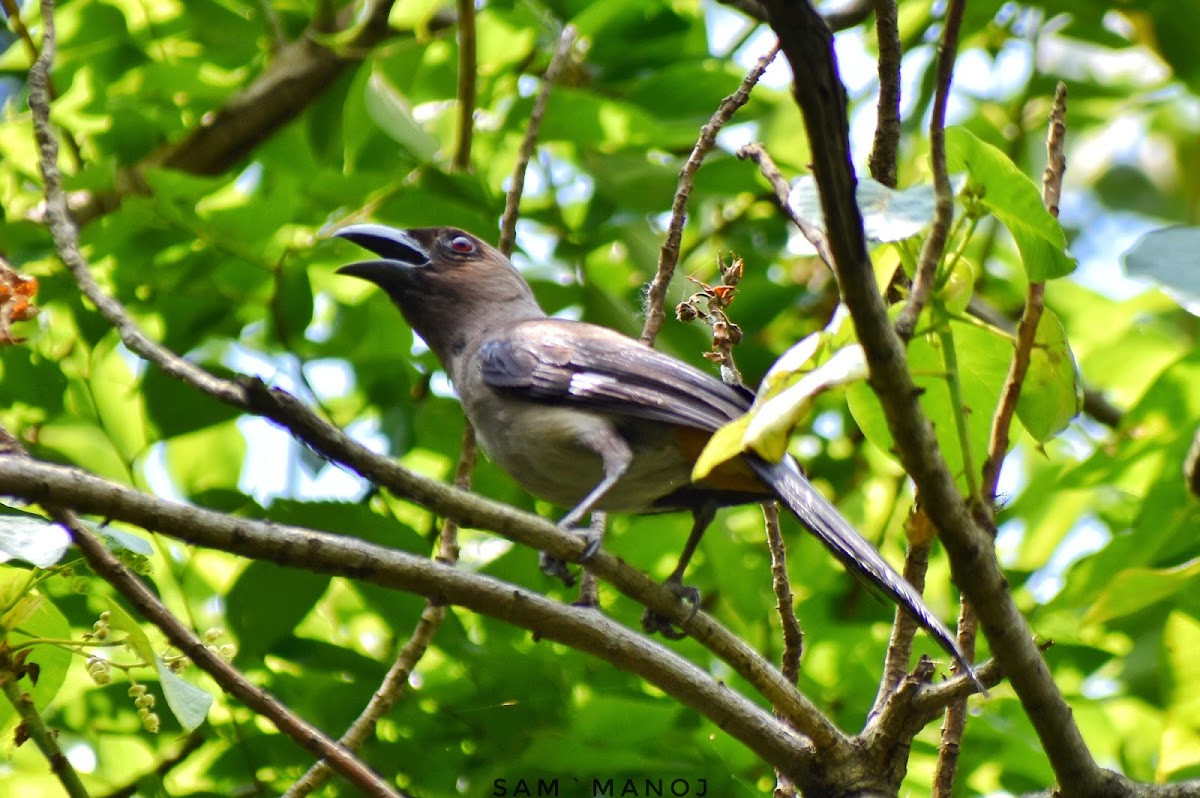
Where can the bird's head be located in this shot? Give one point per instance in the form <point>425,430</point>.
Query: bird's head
<point>443,279</point>
<point>410,257</point>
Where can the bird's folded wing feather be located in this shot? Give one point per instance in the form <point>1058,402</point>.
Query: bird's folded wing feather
<point>583,365</point>
<point>571,363</point>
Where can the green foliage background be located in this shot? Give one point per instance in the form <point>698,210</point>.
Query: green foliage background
<point>235,270</point>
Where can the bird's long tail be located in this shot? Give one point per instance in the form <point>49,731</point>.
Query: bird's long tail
<point>856,554</point>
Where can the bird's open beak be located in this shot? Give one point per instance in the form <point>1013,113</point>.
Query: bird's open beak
<point>394,247</point>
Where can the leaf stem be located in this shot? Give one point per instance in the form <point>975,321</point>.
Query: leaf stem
<point>950,358</point>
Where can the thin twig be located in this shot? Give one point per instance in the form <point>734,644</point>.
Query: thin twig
<point>766,164</point>
<point>785,605</point>
<point>395,681</point>
<point>943,215</point>
<point>668,257</point>
<point>32,725</point>
<point>956,716</point>
<point>98,557</point>
<point>823,102</point>
<point>710,306</point>
<point>1191,466</point>
<point>1056,159</point>
<point>955,723</point>
<point>904,627</point>
<point>13,11</point>
<point>447,551</point>
<point>274,26</point>
<point>589,585</point>
<point>512,200</point>
<point>882,160</point>
<point>1034,304</point>
<point>467,72</point>
<point>307,736</point>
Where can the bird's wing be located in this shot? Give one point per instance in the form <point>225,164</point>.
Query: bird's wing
<point>587,366</point>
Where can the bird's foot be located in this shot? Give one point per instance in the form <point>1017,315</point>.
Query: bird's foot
<point>653,623</point>
<point>554,567</point>
<point>557,568</point>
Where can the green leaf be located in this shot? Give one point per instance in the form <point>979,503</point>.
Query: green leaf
<point>188,703</point>
<point>267,601</point>
<point>413,15</point>
<point>1134,589</point>
<point>1171,258</point>
<point>1052,394</point>
<point>31,538</point>
<point>501,41</point>
<point>888,214</point>
<point>772,422</point>
<point>85,445</point>
<point>391,113</point>
<point>724,445</point>
<point>174,408</point>
<point>21,611</point>
<point>983,359</point>
<point>207,459</point>
<point>1181,641</point>
<point>118,539</point>
<point>292,301</point>
<point>1015,200</point>
<point>118,618</point>
<point>590,120</point>
<point>119,405</point>
<point>42,619</point>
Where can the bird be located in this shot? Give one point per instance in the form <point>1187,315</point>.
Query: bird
<point>588,418</point>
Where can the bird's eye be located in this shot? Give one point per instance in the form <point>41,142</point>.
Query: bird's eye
<point>462,245</point>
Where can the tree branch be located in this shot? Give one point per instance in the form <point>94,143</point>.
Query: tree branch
<point>668,256</point>
<point>339,555</point>
<point>756,152</point>
<point>956,713</point>
<point>882,161</point>
<point>395,681</point>
<point>943,214</point>
<point>300,72</point>
<point>32,725</point>
<point>512,199</point>
<point>904,627</point>
<point>808,45</point>
<point>466,84</point>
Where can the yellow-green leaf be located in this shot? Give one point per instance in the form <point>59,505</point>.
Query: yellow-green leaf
<point>771,424</point>
<point>723,446</point>
<point>1052,394</point>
